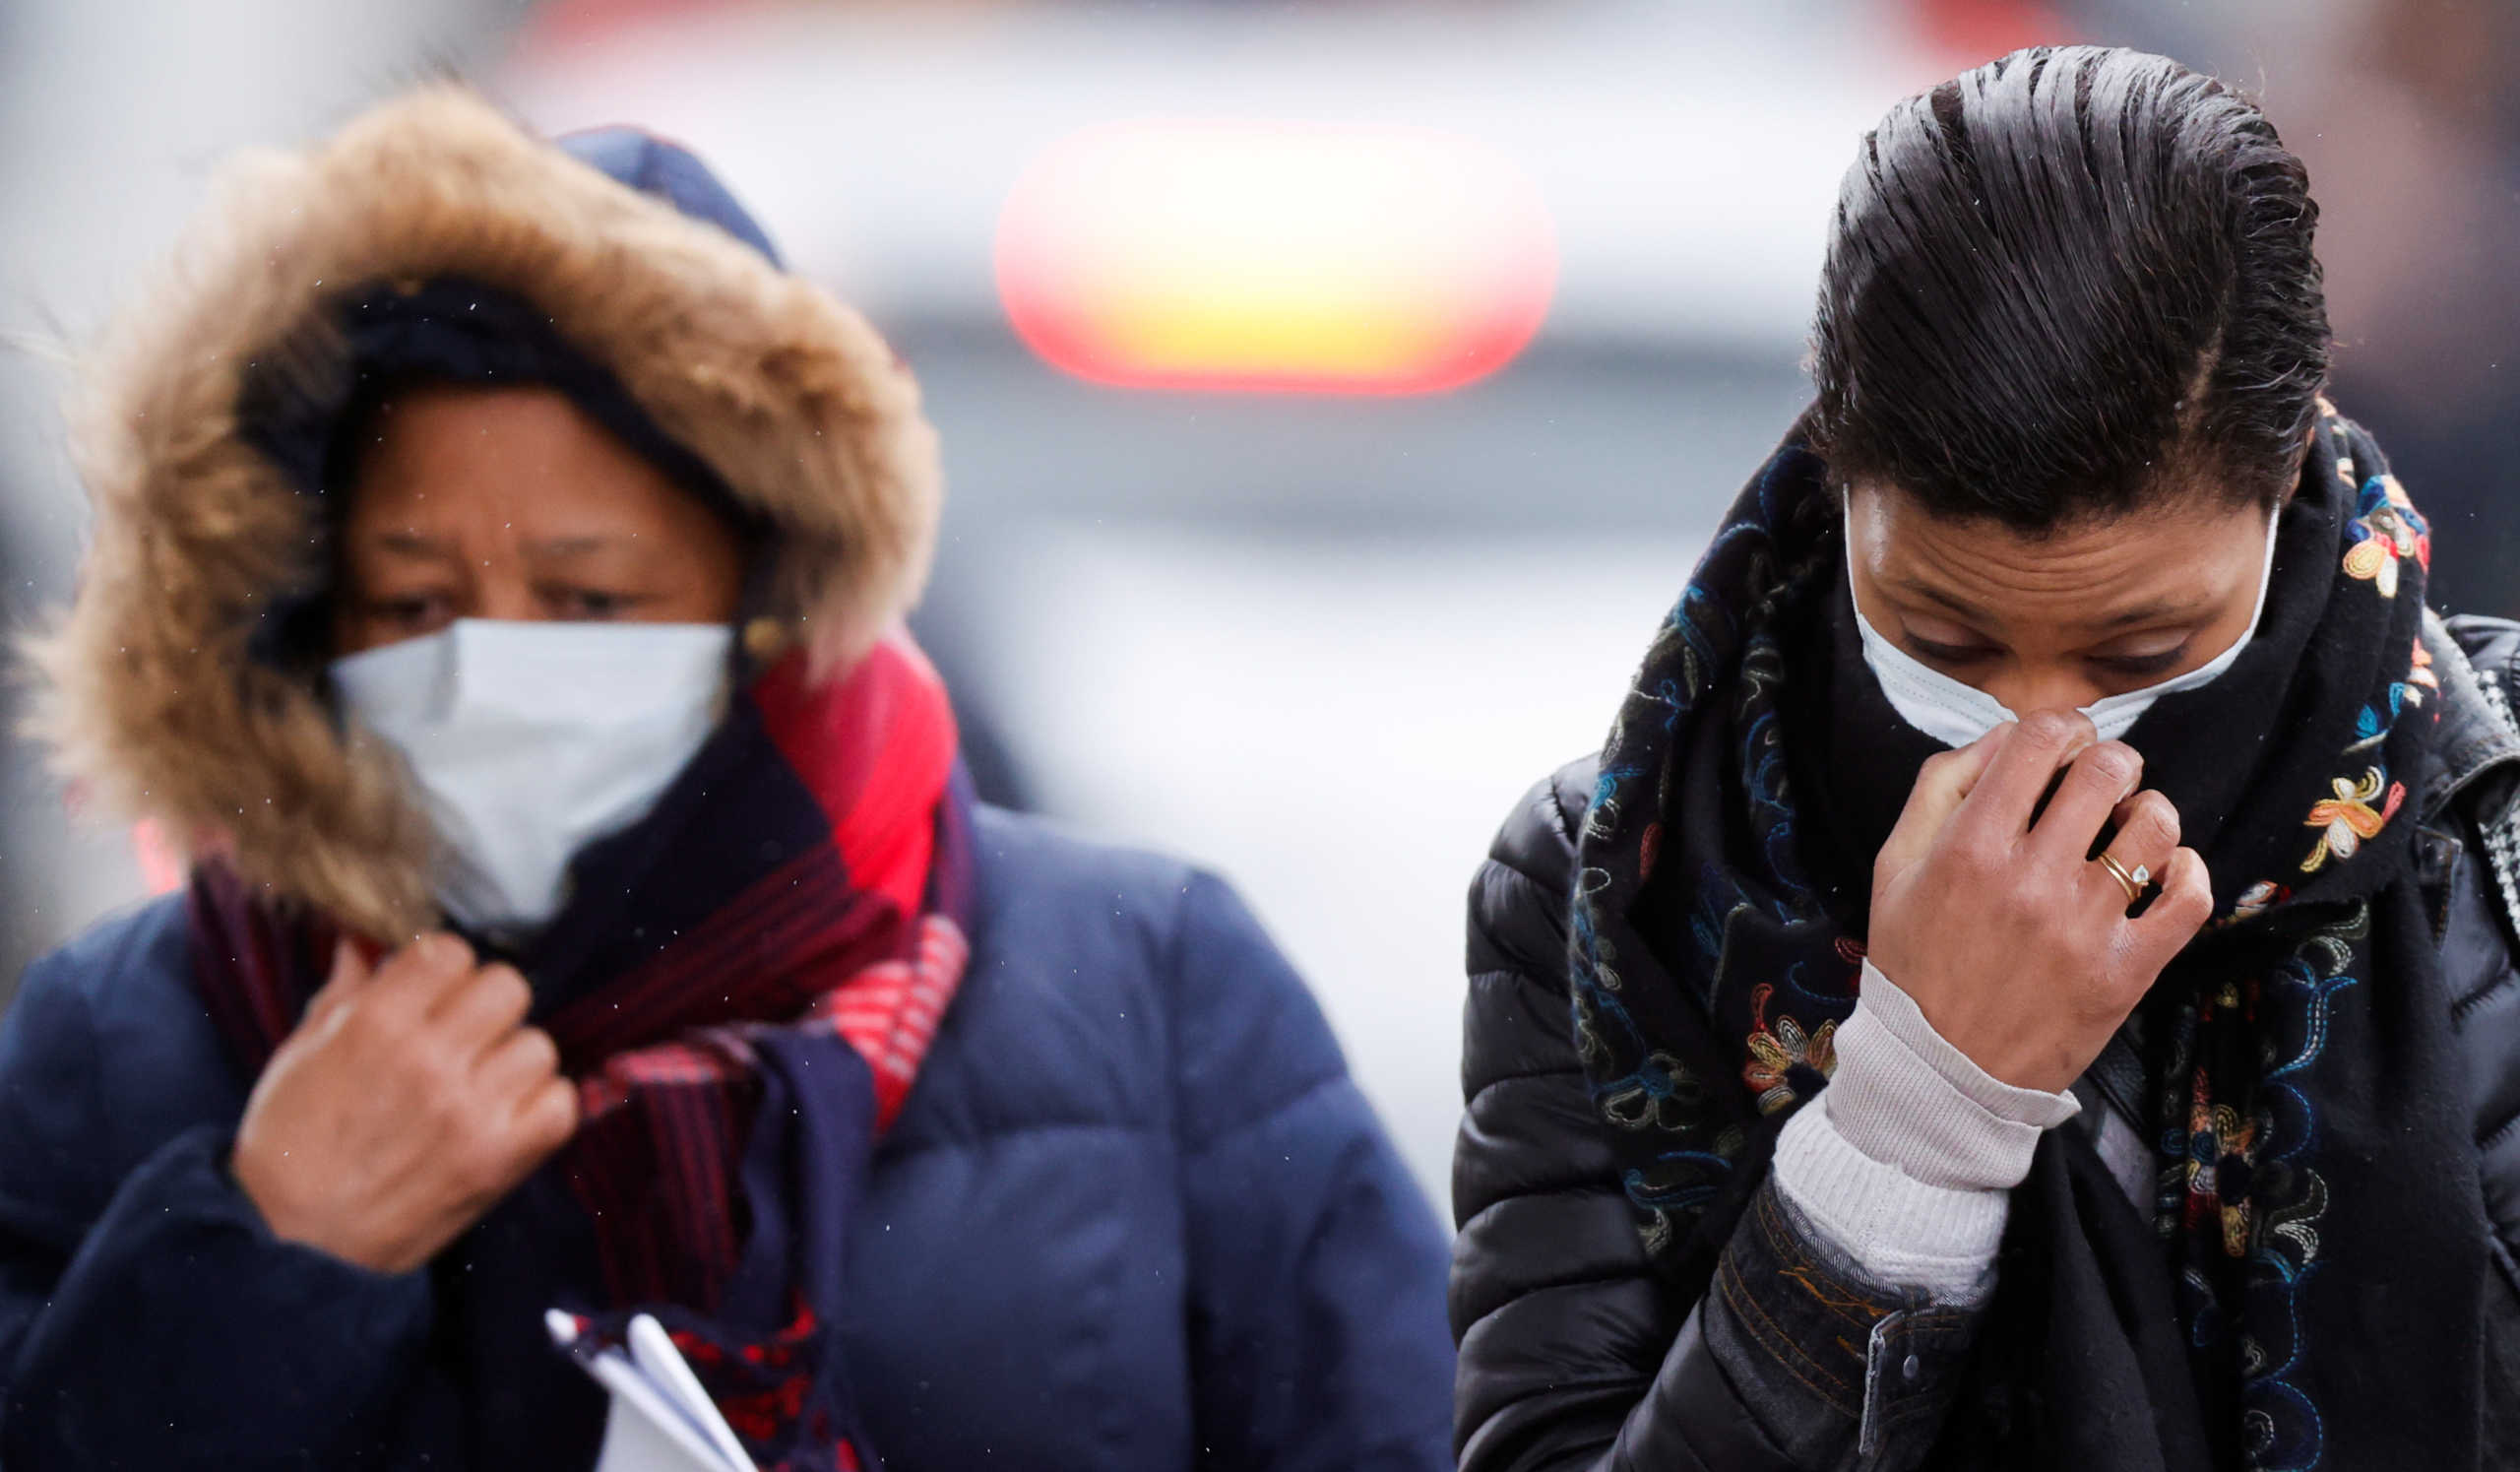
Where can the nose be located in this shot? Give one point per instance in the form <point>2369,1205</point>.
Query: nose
<point>2044,688</point>
<point>503,588</point>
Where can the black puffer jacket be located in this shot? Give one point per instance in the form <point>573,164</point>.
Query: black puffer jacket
<point>1574,1355</point>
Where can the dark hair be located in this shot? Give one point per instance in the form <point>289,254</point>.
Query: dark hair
<point>2071,281</point>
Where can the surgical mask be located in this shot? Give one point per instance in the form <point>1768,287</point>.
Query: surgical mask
<point>1956,713</point>
<point>530,739</point>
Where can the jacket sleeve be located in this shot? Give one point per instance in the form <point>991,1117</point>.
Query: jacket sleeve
<point>1572,1352</point>
<point>1317,1264</point>
<point>147,1316</point>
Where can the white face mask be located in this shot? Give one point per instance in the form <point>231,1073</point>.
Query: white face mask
<point>530,739</point>
<point>1956,713</point>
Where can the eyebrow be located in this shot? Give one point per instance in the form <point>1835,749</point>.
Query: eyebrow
<point>2157,611</point>
<point>569,547</point>
<point>414,545</point>
<point>438,548</point>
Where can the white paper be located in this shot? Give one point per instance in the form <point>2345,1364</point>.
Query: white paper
<point>653,1351</point>
<point>661,1419</point>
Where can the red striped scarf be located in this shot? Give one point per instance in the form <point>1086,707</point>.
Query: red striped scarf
<point>859,939</point>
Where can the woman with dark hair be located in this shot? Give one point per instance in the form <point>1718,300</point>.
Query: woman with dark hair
<point>2030,979</point>
<point>497,579</point>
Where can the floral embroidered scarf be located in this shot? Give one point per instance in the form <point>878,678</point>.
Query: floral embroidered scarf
<point>2318,1191</point>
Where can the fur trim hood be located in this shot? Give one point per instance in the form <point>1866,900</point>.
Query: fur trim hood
<point>147,692</point>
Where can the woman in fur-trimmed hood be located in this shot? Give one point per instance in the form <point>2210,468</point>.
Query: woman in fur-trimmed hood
<point>498,583</point>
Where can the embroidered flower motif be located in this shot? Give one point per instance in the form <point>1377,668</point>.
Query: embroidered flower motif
<point>2420,674</point>
<point>2373,724</point>
<point>1660,1093</point>
<point>2222,1158</point>
<point>2348,818</point>
<point>2387,530</point>
<point>2258,898</point>
<point>1776,1052</point>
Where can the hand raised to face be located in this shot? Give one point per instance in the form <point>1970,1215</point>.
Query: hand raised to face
<point>2016,944</point>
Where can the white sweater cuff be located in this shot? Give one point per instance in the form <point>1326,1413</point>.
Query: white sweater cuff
<point>1905,1162</point>
<point>1896,1230</point>
<point>1904,1096</point>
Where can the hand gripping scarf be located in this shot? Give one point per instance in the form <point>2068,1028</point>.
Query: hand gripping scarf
<point>2306,1295</point>
<point>743,984</point>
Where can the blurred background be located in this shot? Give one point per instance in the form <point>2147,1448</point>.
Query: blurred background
<point>1334,395</point>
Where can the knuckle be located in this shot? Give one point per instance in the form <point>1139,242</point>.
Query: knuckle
<point>560,1121</point>
<point>2186,900</point>
<point>2050,728</point>
<point>547,1122</point>
<point>2022,901</point>
<point>384,1007</point>
<point>2155,818</point>
<point>352,1018</point>
<point>2112,761</point>
<point>1975,843</point>
<point>1975,857</point>
<point>442,1079</point>
<point>442,951</point>
<point>507,987</point>
<point>537,1047</point>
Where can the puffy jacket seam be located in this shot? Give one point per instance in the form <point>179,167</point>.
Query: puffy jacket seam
<point>1570,1189</point>
<point>2501,983</point>
<point>2502,1261</point>
<point>931,1139</point>
<point>1495,863</point>
<point>1175,947</point>
<point>99,1106</point>
<point>2480,997</point>
<point>1564,829</point>
<point>1520,974</point>
<point>2453,791</point>
<point>1266,1113</point>
<point>1590,1186</point>
<point>1268,1116</point>
<point>1516,971</point>
<point>1495,1079</point>
<point>1523,1291</point>
<point>64,1231</point>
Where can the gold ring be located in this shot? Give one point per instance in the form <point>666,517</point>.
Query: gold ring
<point>2133,883</point>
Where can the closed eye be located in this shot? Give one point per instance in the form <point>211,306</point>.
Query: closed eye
<point>2137,665</point>
<point>590,604</point>
<point>412,613</point>
<point>1951,654</point>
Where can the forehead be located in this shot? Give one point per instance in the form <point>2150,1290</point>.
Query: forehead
<point>2092,573</point>
<point>446,455</point>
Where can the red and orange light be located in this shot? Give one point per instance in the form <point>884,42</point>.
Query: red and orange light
<point>1276,258</point>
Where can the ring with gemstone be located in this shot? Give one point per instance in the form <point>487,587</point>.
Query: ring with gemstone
<point>2132,881</point>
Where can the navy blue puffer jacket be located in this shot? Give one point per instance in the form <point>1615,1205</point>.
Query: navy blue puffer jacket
<point>1134,1215</point>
